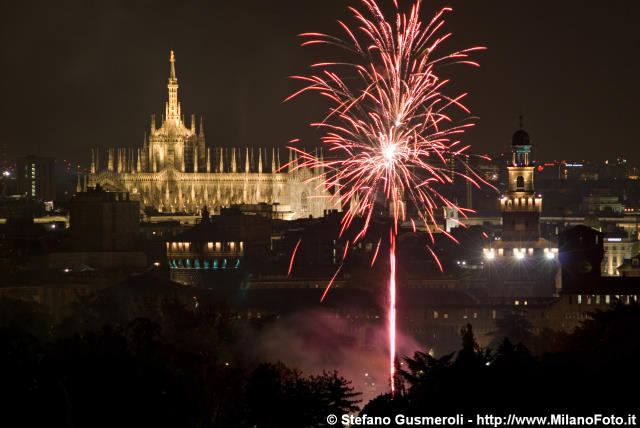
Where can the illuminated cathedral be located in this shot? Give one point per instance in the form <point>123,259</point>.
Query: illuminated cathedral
<point>175,170</point>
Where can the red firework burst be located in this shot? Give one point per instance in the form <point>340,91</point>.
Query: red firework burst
<point>388,135</point>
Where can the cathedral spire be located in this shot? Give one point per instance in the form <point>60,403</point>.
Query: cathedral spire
<point>233,159</point>
<point>173,106</point>
<point>172,60</point>
<point>273,159</point>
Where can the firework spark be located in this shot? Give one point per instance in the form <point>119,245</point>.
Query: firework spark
<point>388,134</point>
<point>293,256</point>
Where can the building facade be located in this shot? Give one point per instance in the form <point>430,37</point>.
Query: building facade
<point>175,170</point>
<point>216,252</point>
<point>617,249</point>
<point>35,176</point>
<point>104,221</point>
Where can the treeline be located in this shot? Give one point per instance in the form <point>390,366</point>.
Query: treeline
<point>136,374</point>
<point>186,365</point>
<point>592,370</point>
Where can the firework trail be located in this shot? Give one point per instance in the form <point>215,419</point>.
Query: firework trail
<point>293,256</point>
<point>388,135</point>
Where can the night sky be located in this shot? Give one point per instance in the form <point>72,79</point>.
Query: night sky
<point>77,75</point>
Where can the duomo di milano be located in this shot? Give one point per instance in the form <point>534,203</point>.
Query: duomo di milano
<point>175,171</point>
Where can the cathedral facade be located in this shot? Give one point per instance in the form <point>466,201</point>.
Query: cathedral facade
<point>175,171</point>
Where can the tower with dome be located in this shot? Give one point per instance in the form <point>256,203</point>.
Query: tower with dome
<point>521,263</point>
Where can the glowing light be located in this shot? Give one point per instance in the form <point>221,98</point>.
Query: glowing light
<point>519,255</point>
<point>388,131</point>
<point>490,255</point>
<point>389,153</point>
<point>550,256</point>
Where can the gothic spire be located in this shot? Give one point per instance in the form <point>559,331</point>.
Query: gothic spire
<point>172,60</point>
<point>173,106</point>
<point>273,159</point>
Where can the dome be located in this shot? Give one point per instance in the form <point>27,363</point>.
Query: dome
<point>520,138</point>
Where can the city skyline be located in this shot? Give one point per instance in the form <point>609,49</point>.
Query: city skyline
<point>67,70</point>
<point>283,214</point>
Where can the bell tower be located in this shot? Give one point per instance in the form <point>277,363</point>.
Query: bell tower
<point>520,205</point>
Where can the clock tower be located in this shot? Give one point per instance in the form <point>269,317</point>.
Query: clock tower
<point>520,205</point>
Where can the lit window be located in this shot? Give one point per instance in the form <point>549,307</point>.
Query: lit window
<point>489,253</point>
